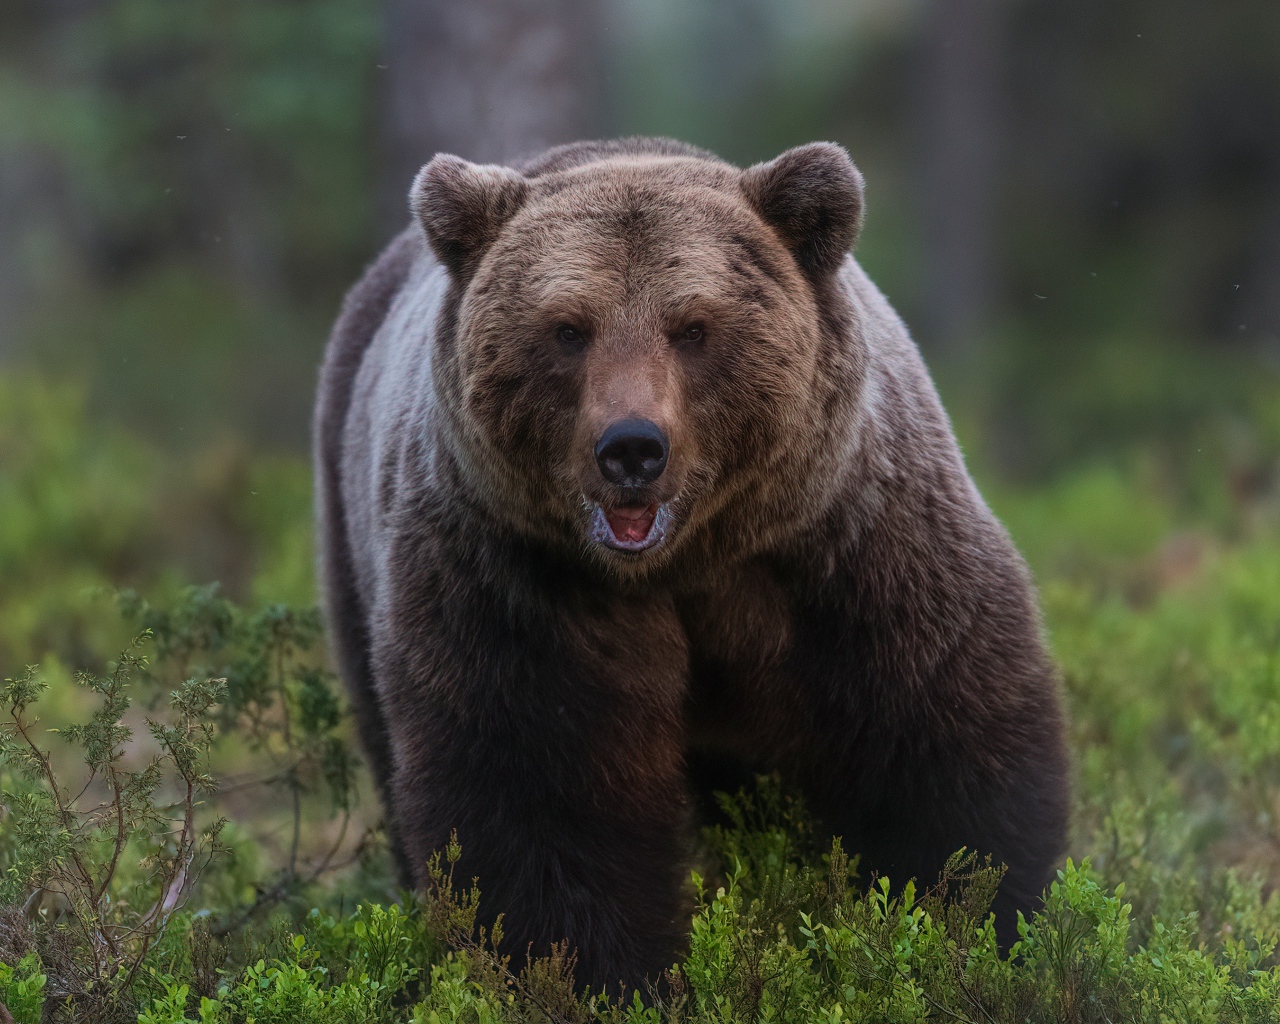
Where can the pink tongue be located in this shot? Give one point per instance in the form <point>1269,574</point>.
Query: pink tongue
<point>631,524</point>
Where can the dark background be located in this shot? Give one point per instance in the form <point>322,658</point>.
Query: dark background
<point>1060,192</point>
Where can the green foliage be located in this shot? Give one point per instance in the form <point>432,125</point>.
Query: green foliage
<point>104,859</point>
<point>66,518</point>
<point>825,951</point>
<point>454,998</point>
<point>22,989</point>
<point>1160,589</point>
<point>1195,416</point>
<point>84,507</point>
<point>214,167</point>
<point>108,862</point>
<point>279,711</point>
<point>171,1008</point>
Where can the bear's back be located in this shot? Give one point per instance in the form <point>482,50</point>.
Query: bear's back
<point>387,441</point>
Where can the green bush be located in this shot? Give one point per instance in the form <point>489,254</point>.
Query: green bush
<point>83,508</point>
<point>22,989</point>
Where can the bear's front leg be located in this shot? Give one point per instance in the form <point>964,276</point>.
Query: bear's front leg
<point>939,736</point>
<point>539,715</point>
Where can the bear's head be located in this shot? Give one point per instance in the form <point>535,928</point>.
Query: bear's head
<point>641,353</point>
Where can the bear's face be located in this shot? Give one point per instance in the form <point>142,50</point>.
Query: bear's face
<point>636,345</point>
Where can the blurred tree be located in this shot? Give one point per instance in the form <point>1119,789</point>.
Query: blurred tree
<point>185,190</point>
<point>960,90</point>
<point>1139,216</point>
<point>488,80</point>
<point>33,43</point>
<point>1142,187</point>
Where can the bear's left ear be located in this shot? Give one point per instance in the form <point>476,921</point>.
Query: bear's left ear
<point>462,207</point>
<point>812,196</point>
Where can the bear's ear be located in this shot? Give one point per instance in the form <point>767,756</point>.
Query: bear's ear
<point>462,207</point>
<point>812,196</point>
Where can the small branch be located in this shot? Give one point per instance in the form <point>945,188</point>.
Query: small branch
<point>297,825</point>
<point>269,897</point>
<point>120,838</point>
<point>67,816</point>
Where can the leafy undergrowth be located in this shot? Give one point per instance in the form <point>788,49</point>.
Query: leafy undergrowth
<point>196,841</point>
<point>122,904</point>
<point>781,937</point>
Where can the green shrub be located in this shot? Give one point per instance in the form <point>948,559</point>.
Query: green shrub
<point>105,858</point>
<point>85,507</point>
<point>22,989</point>
<point>783,930</point>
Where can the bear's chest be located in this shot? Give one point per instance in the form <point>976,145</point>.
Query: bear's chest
<point>740,637</point>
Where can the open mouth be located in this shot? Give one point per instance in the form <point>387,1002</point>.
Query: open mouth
<point>629,527</point>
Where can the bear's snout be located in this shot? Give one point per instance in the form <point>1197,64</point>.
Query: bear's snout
<point>632,453</point>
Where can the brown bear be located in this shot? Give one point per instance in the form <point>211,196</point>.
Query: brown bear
<point>624,466</point>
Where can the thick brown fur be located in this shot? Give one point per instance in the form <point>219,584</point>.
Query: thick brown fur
<point>832,599</point>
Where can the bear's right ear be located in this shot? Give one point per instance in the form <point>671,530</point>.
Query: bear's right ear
<point>462,207</point>
<point>812,196</point>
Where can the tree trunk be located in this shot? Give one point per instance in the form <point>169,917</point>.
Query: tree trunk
<point>962,126</point>
<point>33,37</point>
<point>16,193</point>
<point>488,80</point>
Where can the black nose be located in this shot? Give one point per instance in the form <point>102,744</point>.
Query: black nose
<point>632,453</point>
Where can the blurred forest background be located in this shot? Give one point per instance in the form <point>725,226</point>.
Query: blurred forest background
<point>1077,199</point>
<point>1075,204</point>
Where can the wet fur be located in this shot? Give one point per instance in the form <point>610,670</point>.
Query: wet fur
<point>836,601</point>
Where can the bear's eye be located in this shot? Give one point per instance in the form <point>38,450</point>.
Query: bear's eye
<point>691,335</point>
<point>570,336</point>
